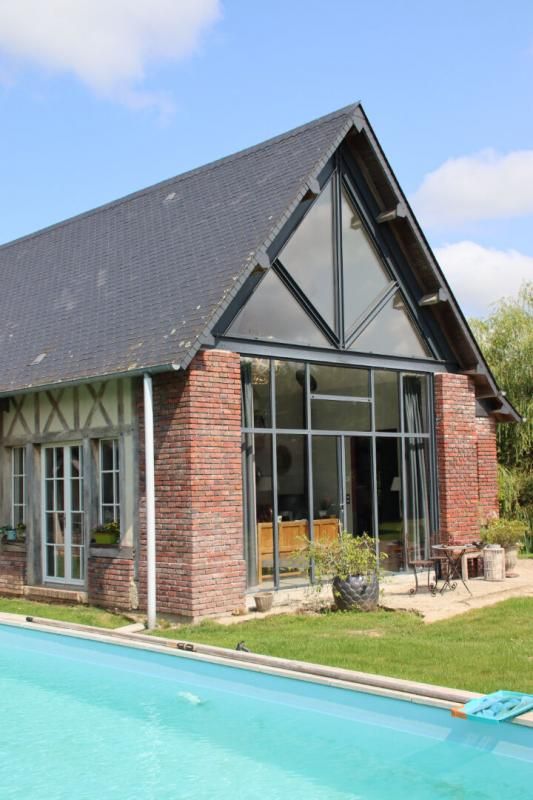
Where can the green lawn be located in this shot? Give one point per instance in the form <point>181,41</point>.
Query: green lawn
<point>483,650</point>
<point>85,615</point>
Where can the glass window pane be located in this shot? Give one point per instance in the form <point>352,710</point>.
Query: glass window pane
<point>76,462</point>
<point>55,530</point>
<point>77,529</point>
<point>60,562</point>
<point>415,403</point>
<point>50,561</point>
<point>363,273</point>
<point>272,314</point>
<point>18,490</point>
<point>326,484</point>
<point>75,495</point>
<point>58,462</point>
<point>340,381</point>
<point>108,514</point>
<point>358,486</point>
<point>390,514</point>
<point>59,495</point>
<point>106,446</point>
<point>255,383</point>
<point>308,256</point>
<point>49,495</point>
<point>290,394</point>
<point>107,488</point>
<point>264,509</point>
<point>76,563</point>
<point>18,461</point>
<point>49,462</point>
<point>292,504</point>
<point>417,497</point>
<point>387,401</point>
<point>340,415</point>
<point>392,333</point>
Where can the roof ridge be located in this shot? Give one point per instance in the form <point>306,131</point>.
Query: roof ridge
<point>345,111</point>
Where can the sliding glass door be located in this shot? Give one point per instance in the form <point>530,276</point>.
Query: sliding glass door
<point>63,514</point>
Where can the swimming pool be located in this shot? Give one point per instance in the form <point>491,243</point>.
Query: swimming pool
<point>96,721</point>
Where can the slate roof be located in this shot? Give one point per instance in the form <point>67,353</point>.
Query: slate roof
<point>139,283</point>
<point>133,284</point>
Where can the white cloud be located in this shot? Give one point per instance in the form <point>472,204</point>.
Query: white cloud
<point>479,276</point>
<point>482,186</point>
<point>107,44</point>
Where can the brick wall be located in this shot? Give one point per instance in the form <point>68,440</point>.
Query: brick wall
<point>199,526</point>
<point>12,569</point>
<point>487,468</point>
<point>466,459</point>
<point>111,582</point>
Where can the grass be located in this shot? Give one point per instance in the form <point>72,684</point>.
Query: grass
<point>84,615</point>
<point>482,650</point>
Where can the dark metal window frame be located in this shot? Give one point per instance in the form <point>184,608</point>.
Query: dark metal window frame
<point>249,432</point>
<point>344,174</point>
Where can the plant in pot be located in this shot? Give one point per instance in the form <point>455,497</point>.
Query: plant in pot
<point>353,565</point>
<point>106,534</point>
<point>509,534</point>
<point>9,533</point>
<point>21,532</point>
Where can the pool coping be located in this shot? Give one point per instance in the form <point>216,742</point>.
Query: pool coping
<point>396,688</point>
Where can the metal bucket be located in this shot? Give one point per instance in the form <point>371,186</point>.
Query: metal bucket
<point>494,562</point>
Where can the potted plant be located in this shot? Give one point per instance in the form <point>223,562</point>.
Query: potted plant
<point>21,532</point>
<point>106,534</point>
<point>353,564</point>
<point>509,534</point>
<point>9,533</point>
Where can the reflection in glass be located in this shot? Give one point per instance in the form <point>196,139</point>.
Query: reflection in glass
<point>390,512</point>
<point>415,403</point>
<point>308,256</point>
<point>292,503</point>
<point>255,384</point>
<point>339,381</point>
<point>272,314</point>
<point>327,516</point>
<point>363,273</point>
<point>387,403</point>
<point>340,415</point>
<point>264,486</point>
<point>290,394</point>
<point>358,485</point>
<point>417,498</point>
<point>392,333</point>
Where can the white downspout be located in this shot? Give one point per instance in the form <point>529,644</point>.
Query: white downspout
<point>150,498</point>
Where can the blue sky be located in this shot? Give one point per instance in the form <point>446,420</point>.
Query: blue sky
<point>102,97</point>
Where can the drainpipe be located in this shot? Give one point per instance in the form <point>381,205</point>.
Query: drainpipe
<point>150,497</point>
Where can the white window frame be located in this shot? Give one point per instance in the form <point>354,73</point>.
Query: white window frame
<point>115,472</point>
<point>21,506</point>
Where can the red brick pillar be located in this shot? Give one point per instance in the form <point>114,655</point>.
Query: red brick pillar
<point>456,439</point>
<point>199,520</point>
<point>487,468</point>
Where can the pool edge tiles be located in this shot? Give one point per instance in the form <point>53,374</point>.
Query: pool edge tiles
<point>438,697</point>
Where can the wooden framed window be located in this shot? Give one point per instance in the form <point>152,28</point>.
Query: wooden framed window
<point>109,481</point>
<point>18,486</point>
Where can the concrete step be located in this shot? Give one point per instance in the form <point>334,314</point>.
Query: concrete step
<point>49,594</point>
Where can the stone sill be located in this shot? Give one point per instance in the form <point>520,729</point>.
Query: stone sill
<point>110,551</point>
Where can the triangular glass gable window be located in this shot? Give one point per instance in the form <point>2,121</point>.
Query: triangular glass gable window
<point>392,333</point>
<point>272,314</point>
<point>308,256</point>
<point>364,277</point>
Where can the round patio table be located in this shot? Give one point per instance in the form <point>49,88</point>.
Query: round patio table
<point>452,555</point>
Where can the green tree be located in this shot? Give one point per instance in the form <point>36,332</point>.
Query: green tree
<point>506,339</point>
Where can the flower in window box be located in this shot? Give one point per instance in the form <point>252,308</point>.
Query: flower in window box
<point>106,534</point>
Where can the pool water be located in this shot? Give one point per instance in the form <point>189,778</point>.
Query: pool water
<point>92,721</point>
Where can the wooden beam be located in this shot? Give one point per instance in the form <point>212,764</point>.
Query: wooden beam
<point>399,212</point>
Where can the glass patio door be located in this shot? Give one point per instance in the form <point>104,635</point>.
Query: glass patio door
<point>63,514</point>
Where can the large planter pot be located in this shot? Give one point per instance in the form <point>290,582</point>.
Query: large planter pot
<point>511,557</point>
<point>359,591</point>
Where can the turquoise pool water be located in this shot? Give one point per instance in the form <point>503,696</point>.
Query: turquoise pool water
<point>92,721</point>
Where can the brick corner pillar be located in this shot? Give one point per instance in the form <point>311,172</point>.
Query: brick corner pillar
<point>457,461</point>
<point>487,468</point>
<point>200,570</point>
